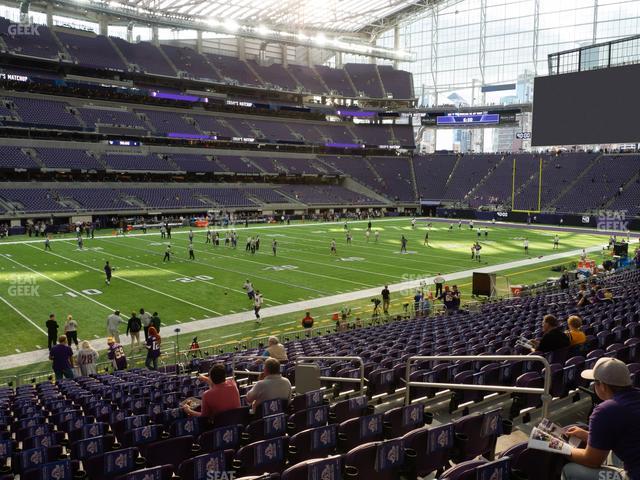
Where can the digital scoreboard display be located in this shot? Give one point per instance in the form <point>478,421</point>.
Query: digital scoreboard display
<point>587,108</point>
<point>472,118</point>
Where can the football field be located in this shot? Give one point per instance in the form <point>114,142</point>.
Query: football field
<point>67,280</point>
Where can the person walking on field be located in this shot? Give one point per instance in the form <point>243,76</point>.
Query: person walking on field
<point>113,321</point>
<point>145,319</point>
<point>52,331</point>
<point>134,325</point>
<point>71,330</point>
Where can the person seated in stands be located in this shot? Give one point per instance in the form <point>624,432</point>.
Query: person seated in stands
<point>553,337</point>
<point>614,426</point>
<point>271,386</point>
<point>575,333</point>
<point>604,295</point>
<point>583,297</point>
<point>221,396</point>
<point>276,350</point>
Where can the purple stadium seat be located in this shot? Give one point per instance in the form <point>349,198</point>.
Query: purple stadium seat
<point>164,472</point>
<point>202,467</point>
<point>221,438</point>
<point>534,463</point>
<point>379,460</point>
<point>350,408</point>
<point>170,451</point>
<point>316,468</point>
<point>112,464</point>
<point>316,442</point>
<point>266,456</point>
<point>434,448</point>
<point>269,426</point>
<point>401,420</point>
<point>356,431</point>
<point>476,434</point>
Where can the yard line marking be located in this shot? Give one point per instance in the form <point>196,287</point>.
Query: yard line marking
<point>139,285</point>
<point>249,274</point>
<point>22,314</point>
<point>242,292</point>
<point>232,335</point>
<point>59,283</point>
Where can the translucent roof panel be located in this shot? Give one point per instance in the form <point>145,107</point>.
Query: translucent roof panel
<point>327,15</point>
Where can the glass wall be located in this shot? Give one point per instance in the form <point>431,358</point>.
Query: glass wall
<point>462,45</point>
<point>469,43</point>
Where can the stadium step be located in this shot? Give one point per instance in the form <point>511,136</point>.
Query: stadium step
<point>586,170</point>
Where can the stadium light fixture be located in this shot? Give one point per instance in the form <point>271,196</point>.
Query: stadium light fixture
<point>320,39</point>
<point>262,30</point>
<point>231,26</point>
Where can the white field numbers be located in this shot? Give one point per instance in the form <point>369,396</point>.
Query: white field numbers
<point>195,278</point>
<point>88,291</point>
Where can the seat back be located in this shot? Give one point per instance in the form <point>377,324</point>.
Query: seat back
<point>111,464</point>
<point>433,446</point>
<point>266,456</point>
<point>401,420</point>
<point>171,451</point>
<point>221,438</point>
<point>313,443</point>
<point>319,468</point>
<point>380,460</point>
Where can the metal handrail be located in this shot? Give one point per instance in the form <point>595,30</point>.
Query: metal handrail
<point>244,372</point>
<point>544,392</point>
<point>359,380</point>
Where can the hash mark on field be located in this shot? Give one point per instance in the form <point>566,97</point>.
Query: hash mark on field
<point>38,347</point>
<point>95,336</point>
<point>233,311</point>
<point>18,350</point>
<point>178,321</point>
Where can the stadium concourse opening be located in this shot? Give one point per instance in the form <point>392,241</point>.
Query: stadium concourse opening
<point>298,241</point>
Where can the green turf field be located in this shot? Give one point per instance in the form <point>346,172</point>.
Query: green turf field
<point>34,283</point>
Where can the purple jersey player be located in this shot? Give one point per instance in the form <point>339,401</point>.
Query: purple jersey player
<point>116,354</point>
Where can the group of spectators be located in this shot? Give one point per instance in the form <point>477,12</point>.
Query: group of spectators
<point>555,338</point>
<point>223,394</point>
<point>64,361</point>
<point>595,294</point>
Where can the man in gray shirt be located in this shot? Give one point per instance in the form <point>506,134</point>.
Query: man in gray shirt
<point>145,318</point>
<point>113,321</point>
<point>271,386</point>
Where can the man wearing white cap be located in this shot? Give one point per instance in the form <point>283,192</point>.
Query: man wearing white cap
<point>614,426</point>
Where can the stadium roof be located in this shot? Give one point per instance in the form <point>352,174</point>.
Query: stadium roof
<point>324,15</point>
